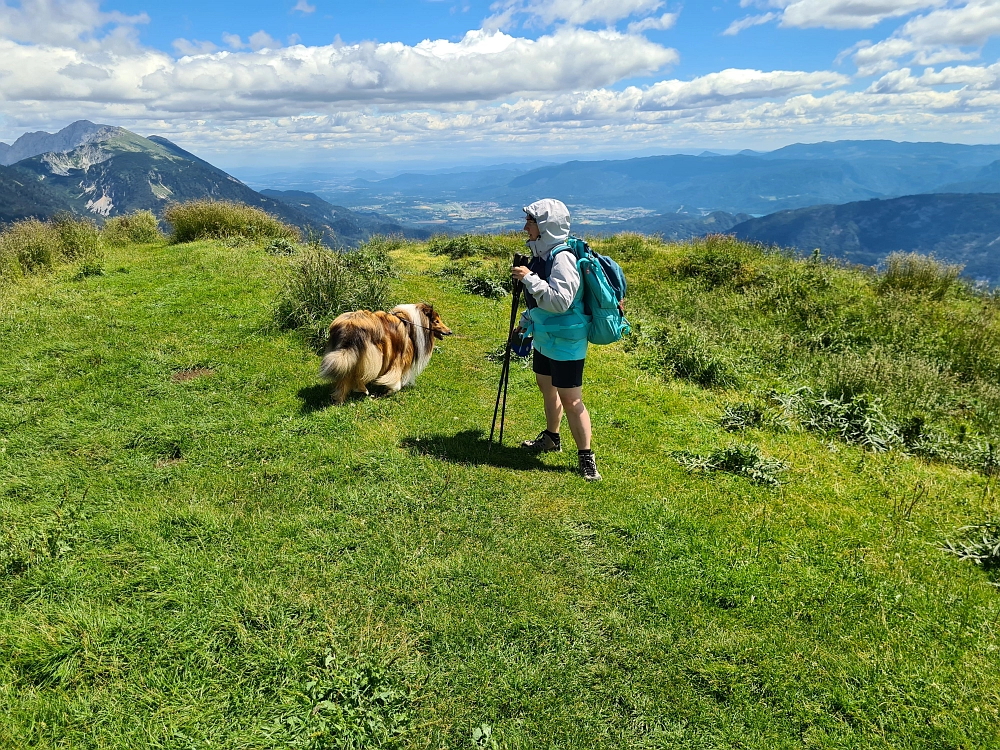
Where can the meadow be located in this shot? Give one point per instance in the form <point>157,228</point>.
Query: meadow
<point>197,550</point>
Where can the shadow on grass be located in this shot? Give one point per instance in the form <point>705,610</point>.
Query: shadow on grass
<point>472,447</point>
<point>320,396</point>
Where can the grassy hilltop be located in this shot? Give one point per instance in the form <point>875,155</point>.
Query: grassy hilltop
<point>197,551</point>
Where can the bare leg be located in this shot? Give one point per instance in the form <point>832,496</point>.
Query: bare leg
<point>553,406</point>
<point>576,414</point>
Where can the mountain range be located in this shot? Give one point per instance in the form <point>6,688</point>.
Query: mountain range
<point>104,171</point>
<point>796,176</point>
<point>958,228</point>
<point>858,200</point>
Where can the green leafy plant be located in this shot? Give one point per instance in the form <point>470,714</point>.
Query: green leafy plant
<point>859,419</point>
<point>743,416</point>
<point>741,459</point>
<point>346,705</point>
<point>979,543</point>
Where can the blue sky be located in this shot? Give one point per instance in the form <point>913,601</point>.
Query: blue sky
<point>315,82</point>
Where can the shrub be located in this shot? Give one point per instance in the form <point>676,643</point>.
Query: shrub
<point>740,459</point>
<point>913,272</point>
<point>28,246</point>
<point>208,219</point>
<point>136,228</point>
<point>323,283</point>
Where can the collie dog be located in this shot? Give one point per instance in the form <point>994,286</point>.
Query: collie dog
<point>385,349</point>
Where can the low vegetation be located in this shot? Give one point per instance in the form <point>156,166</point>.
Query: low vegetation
<point>320,284</point>
<point>33,247</point>
<point>794,544</point>
<point>135,228</point>
<point>208,219</point>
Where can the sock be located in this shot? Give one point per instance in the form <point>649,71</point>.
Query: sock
<point>553,435</point>
<point>587,452</point>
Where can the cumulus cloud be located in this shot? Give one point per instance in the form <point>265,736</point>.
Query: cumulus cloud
<point>59,21</point>
<point>303,7</point>
<point>944,35</point>
<point>482,66</point>
<point>830,14</point>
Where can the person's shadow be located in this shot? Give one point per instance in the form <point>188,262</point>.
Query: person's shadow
<point>472,447</point>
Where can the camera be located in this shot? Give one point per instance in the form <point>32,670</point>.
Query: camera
<point>520,260</point>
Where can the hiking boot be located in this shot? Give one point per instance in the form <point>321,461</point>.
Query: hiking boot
<point>588,466</point>
<point>546,442</point>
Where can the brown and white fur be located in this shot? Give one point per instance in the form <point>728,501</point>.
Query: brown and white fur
<point>385,349</point>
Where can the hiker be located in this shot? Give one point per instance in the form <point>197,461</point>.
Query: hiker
<point>555,318</point>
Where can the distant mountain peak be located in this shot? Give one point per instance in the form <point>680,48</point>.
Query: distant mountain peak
<point>40,142</point>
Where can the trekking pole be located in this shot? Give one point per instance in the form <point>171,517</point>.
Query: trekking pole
<point>519,260</point>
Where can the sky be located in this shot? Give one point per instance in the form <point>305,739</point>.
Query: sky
<point>318,83</point>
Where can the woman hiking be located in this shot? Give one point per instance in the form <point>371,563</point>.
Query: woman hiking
<point>556,320</point>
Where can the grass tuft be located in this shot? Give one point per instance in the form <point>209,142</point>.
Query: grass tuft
<point>321,284</point>
<point>136,228</point>
<point>913,272</point>
<point>208,219</point>
<point>28,247</point>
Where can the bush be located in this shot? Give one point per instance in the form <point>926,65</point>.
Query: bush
<point>913,272</point>
<point>208,219</point>
<point>743,460</point>
<point>136,228</point>
<point>28,246</point>
<point>323,283</point>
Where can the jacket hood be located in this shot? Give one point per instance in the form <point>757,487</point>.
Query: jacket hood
<point>553,224</point>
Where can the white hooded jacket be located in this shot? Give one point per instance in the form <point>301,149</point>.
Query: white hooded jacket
<point>557,294</point>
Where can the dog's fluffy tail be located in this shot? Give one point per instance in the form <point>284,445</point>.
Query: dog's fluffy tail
<point>360,365</point>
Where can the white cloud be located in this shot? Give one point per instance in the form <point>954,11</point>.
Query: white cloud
<point>571,12</point>
<point>848,14</point>
<point>59,21</point>
<point>303,7</point>
<point>745,23</point>
<point>234,41</point>
<point>193,47</point>
<point>934,38</point>
<point>483,66</point>
<point>262,40</point>
<point>969,25</point>
<point>664,22</point>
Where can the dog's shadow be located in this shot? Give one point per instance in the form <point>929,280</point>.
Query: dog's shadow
<point>320,396</point>
<point>472,447</point>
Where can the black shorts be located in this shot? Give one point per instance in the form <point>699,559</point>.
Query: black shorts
<point>567,374</point>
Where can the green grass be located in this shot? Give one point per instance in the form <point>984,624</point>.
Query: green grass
<point>197,551</point>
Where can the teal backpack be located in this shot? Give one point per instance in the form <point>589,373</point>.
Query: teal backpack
<point>603,293</point>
